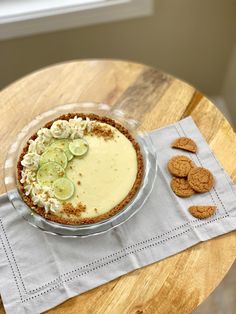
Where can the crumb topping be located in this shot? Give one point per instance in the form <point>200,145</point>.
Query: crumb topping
<point>68,208</point>
<point>102,131</point>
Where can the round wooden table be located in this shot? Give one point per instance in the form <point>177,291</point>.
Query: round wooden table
<point>179,283</point>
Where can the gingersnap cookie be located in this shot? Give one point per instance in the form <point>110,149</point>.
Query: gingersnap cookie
<point>202,211</point>
<point>185,143</point>
<point>180,166</point>
<point>200,179</point>
<point>181,187</point>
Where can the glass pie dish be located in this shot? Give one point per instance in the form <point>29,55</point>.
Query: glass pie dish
<point>82,230</point>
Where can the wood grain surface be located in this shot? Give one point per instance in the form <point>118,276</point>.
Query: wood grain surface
<point>181,282</point>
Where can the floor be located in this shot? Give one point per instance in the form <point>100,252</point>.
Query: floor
<point>223,298</point>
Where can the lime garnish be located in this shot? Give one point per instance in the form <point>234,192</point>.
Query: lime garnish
<point>64,145</point>
<point>69,155</point>
<point>49,172</point>
<point>78,147</point>
<point>54,154</point>
<point>63,189</point>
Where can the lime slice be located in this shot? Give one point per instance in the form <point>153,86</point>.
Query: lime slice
<point>63,189</point>
<point>69,155</point>
<point>49,172</point>
<point>78,147</point>
<point>54,154</point>
<point>64,145</point>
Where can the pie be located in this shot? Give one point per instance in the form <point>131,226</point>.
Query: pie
<point>80,169</point>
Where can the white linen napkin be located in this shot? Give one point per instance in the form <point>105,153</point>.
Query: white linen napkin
<point>39,271</point>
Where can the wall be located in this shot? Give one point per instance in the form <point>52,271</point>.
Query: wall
<point>191,39</point>
<point>229,86</point>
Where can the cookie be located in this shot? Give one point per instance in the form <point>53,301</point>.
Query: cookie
<point>185,143</point>
<point>200,179</point>
<point>181,187</point>
<point>180,166</point>
<point>202,211</point>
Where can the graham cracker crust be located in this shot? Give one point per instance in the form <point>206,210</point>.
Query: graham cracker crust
<point>114,210</point>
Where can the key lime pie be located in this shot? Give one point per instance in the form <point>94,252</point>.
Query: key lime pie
<point>80,169</point>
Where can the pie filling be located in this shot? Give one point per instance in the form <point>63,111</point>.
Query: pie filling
<point>80,170</point>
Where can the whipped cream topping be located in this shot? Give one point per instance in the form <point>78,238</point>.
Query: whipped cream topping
<point>28,176</point>
<point>76,128</point>
<point>43,196</point>
<point>89,124</point>
<point>44,135</point>
<point>52,205</point>
<point>60,129</point>
<point>31,161</point>
<point>36,146</point>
